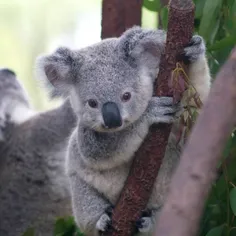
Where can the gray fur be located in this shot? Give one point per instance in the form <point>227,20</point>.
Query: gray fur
<point>99,159</point>
<point>33,186</point>
<point>14,103</point>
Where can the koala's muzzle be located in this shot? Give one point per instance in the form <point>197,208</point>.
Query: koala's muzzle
<point>111,115</point>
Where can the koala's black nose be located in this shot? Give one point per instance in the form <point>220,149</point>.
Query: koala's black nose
<point>7,71</point>
<point>111,115</point>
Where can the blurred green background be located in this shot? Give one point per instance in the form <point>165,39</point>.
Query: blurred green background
<point>30,27</point>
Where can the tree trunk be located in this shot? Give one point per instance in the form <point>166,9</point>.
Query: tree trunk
<point>119,15</point>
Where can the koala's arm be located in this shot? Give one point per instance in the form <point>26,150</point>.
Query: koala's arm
<point>200,76</point>
<point>88,205</point>
<point>199,72</point>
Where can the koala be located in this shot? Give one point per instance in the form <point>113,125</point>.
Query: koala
<point>33,186</point>
<point>14,101</point>
<point>110,86</point>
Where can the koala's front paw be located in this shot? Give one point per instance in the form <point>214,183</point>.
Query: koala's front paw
<point>162,110</point>
<point>194,50</point>
<point>104,222</point>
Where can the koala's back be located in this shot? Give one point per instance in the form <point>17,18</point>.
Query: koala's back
<point>33,186</point>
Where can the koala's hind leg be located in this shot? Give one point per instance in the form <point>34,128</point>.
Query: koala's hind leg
<point>14,104</point>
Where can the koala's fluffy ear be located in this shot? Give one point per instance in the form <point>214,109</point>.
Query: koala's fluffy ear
<point>142,46</point>
<point>57,70</point>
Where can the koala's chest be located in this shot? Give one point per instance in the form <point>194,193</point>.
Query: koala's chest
<point>110,183</point>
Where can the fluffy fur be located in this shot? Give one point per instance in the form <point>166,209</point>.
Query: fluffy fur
<point>100,153</point>
<point>33,186</point>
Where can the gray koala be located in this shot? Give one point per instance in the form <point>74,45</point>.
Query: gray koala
<point>110,85</point>
<point>33,186</point>
<point>14,102</point>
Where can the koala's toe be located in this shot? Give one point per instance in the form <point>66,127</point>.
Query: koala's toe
<point>104,223</point>
<point>144,224</point>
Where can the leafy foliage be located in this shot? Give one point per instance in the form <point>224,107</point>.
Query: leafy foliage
<point>63,227</point>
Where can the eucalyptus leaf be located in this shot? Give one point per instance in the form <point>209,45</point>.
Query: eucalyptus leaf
<point>232,197</point>
<point>29,232</point>
<point>217,231</point>
<point>225,42</point>
<point>210,15</point>
<point>152,5</point>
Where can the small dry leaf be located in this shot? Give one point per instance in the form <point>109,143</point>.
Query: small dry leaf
<point>181,84</point>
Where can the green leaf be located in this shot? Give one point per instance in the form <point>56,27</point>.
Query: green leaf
<point>164,17</point>
<point>230,16</point>
<point>211,13</point>
<point>152,5</point>
<point>29,232</point>
<point>78,233</point>
<point>66,227</point>
<point>232,198</point>
<point>217,231</point>
<point>232,232</point>
<point>225,42</point>
<point>60,226</point>
<point>199,8</point>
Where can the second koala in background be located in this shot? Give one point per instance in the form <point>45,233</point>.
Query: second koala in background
<point>33,186</point>
<point>110,85</point>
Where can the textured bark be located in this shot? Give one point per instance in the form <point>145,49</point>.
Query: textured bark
<point>198,167</point>
<point>119,15</point>
<point>148,158</point>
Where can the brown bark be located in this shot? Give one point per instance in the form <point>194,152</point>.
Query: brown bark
<point>148,158</point>
<point>198,167</point>
<point>119,15</point>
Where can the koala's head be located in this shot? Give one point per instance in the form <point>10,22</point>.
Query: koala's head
<point>109,83</point>
<point>10,87</point>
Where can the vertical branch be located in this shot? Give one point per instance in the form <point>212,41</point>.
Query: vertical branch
<point>148,158</point>
<point>119,15</point>
<point>133,12</point>
<point>113,18</point>
<point>198,166</point>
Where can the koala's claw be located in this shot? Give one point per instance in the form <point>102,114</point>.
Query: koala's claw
<point>193,50</point>
<point>109,210</point>
<point>144,224</point>
<point>104,223</point>
<point>162,110</point>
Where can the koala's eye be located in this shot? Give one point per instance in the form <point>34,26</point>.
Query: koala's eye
<point>126,97</point>
<point>92,103</point>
